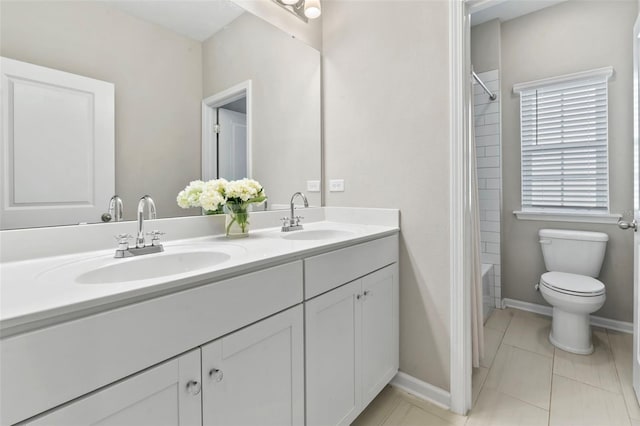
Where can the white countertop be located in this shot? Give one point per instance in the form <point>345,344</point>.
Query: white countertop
<point>43,291</point>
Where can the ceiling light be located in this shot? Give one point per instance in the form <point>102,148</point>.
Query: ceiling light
<point>312,9</point>
<point>303,9</point>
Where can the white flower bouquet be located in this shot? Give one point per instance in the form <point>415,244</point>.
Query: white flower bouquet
<point>235,196</point>
<point>207,195</point>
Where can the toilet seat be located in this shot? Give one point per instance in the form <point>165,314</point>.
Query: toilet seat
<point>572,284</point>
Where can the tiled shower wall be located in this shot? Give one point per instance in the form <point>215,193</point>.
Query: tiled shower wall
<point>488,159</point>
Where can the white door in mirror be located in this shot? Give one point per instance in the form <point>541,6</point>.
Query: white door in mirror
<point>232,145</point>
<point>59,142</point>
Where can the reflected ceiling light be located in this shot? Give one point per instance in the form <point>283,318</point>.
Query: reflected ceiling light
<point>303,9</point>
<point>312,9</point>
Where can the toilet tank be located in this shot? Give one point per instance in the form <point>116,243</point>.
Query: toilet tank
<point>576,252</point>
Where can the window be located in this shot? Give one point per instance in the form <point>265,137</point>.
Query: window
<point>564,149</point>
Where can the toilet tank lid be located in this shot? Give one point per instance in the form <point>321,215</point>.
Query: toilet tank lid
<point>573,235</point>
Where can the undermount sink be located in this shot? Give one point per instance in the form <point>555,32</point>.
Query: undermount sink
<point>152,266</point>
<point>105,269</point>
<point>317,234</point>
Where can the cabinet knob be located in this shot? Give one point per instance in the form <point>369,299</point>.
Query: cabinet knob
<point>358,296</point>
<point>216,374</point>
<point>367,292</point>
<point>193,387</point>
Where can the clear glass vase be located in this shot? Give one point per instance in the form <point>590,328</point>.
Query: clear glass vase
<point>237,220</point>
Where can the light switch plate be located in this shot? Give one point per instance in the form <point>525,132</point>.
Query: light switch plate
<point>336,185</point>
<point>313,186</point>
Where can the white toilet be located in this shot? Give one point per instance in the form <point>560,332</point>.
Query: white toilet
<point>573,259</point>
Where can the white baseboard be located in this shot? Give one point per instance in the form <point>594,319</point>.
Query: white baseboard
<point>622,326</point>
<point>423,390</point>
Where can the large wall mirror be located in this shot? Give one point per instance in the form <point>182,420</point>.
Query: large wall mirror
<point>173,66</point>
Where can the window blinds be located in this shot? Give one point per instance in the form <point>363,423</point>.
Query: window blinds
<point>563,128</point>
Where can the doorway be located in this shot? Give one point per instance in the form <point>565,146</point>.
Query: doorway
<point>226,134</point>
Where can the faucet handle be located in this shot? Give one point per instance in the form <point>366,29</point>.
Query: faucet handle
<point>284,220</point>
<point>298,219</point>
<point>155,236</point>
<point>123,241</point>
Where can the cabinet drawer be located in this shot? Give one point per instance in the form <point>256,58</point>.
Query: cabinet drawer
<point>330,270</point>
<point>97,350</point>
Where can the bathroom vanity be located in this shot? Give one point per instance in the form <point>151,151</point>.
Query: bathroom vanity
<point>278,318</point>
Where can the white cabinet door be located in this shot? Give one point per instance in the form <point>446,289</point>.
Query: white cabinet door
<point>333,348</point>
<point>168,394</point>
<point>255,376</point>
<point>380,343</point>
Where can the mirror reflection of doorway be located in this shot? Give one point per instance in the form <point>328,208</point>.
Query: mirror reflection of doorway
<point>226,134</point>
<point>232,140</point>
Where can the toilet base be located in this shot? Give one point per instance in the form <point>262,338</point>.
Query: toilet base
<point>571,332</point>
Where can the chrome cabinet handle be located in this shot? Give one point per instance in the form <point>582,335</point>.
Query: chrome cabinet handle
<point>216,374</point>
<point>194,387</point>
<point>626,225</point>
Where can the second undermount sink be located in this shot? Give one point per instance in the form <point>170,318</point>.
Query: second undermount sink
<point>152,266</point>
<point>317,234</point>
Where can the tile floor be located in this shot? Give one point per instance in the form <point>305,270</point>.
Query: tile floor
<point>524,380</point>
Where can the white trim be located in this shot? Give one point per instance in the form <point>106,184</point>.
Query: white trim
<point>422,390</point>
<point>599,72</point>
<point>636,207</point>
<point>476,6</point>
<point>209,106</point>
<point>460,306</point>
<point>622,326</point>
<point>610,219</point>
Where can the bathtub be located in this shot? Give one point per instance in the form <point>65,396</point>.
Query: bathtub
<point>488,290</point>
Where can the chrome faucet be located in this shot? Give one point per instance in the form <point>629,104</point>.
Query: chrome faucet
<point>141,248</point>
<point>115,210</point>
<point>144,201</point>
<point>292,223</point>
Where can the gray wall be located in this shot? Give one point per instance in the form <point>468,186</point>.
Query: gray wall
<point>285,75</point>
<point>158,87</point>
<point>570,37</point>
<point>485,46</point>
<point>386,110</point>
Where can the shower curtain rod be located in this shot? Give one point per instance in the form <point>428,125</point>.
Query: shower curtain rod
<point>492,95</point>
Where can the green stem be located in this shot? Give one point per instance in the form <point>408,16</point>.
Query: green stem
<point>233,219</point>
<point>240,215</point>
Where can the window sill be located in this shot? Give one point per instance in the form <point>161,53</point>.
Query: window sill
<point>609,219</point>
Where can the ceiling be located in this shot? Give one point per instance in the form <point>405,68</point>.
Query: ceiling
<point>197,20</point>
<point>485,10</point>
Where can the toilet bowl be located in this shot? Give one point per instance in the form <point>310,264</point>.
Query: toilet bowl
<point>573,259</point>
<point>573,297</point>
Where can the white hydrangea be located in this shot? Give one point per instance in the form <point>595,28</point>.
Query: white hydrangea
<point>213,194</point>
<point>190,196</point>
<point>244,189</point>
<point>212,197</point>
<point>211,200</point>
<point>216,185</point>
